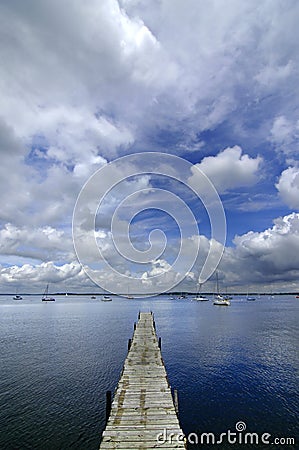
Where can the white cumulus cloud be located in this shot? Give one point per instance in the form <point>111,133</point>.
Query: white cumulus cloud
<point>230,169</point>
<point>46,243</point>
<point>270,254</point>
<point>288,187</point>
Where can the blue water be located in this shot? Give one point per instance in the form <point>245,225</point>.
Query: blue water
<point>229,364</point>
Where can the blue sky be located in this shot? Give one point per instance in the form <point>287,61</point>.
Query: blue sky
<point>214,83</point>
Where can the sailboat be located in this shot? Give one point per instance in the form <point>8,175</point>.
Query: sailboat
<point>249,298</point>
<point>105,297</point>
<point>199,297</point>
<point>130,297</point>
<point>46,297</point>
<point>17,297</point>
<point>219,299</point>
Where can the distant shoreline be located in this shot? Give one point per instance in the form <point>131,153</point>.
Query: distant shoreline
<point>234,294</point>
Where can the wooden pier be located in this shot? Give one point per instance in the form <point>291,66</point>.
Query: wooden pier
<point>143,415</point>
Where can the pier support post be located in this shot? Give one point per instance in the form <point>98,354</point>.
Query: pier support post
<point>108,404</point>
<point>176,400</point>
<point>159,343</point>
<point>129,344</point>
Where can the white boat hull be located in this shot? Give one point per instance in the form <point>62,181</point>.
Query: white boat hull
<point>222,302</point>
<point>200,299</point>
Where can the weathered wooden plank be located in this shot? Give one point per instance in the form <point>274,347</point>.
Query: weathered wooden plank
<point>143,406</point>
<point>146,422</point>
<point>170,442</point>
<point>134,433</point>
<point>134,403</point>
<point>143,423</point>
<point>128,414</point>
<point>106,445</point>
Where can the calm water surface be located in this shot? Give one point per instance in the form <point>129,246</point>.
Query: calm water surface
<point>229,365</point>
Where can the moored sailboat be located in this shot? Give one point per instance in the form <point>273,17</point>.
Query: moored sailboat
<point>219,299</point>
<point>199,297</point>
<point>46,297</point>
<point>250,298</point>
<point>129,296</point>
<point>17,296</point>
